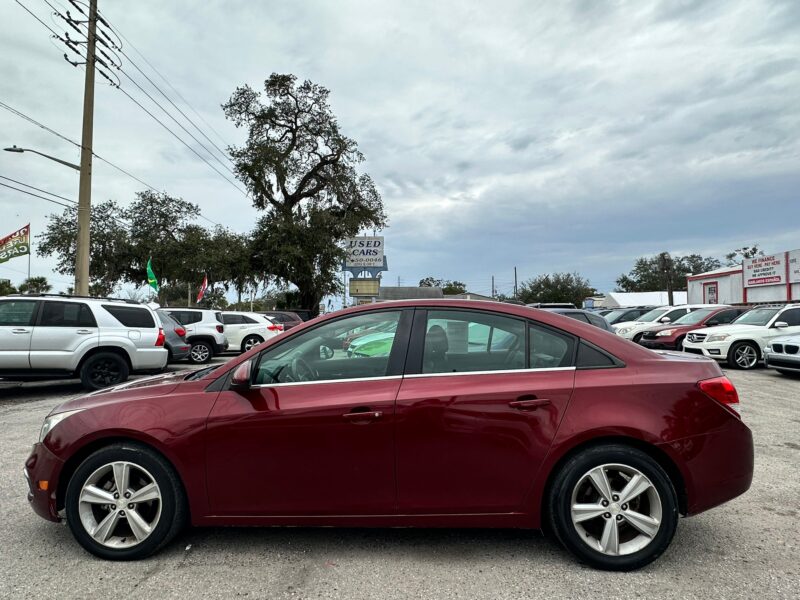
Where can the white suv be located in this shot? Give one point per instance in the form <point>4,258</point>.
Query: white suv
<point>204,332</point>
<point>245,329</point>
<point>742,342</point>
<point>100,340</point>
<point>633,330</point>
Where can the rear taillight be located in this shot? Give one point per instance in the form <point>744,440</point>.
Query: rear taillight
<point>723,391</point>
<point>220,328</point>
<point>275,327</point>
<point>161,337</point>
<point>180,331</point>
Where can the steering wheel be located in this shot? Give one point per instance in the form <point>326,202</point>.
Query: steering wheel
<point>302,371</point>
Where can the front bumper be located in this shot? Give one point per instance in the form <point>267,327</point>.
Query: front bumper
<point>778,360</point>
<point>42,469</point>
<point>715,350</point>
<point>658,344</point>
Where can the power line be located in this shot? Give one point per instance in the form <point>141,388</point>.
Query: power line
<point>35,195</point>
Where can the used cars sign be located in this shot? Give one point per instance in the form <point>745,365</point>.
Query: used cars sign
<point>364,251</point>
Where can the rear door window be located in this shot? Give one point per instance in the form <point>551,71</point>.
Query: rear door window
<point>550,348</point>
<point>66,314</point>
<point>233,319</point>
<point>131,316</point>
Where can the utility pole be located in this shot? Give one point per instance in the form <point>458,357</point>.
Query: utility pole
<point>515,283</point>
<point>85,185</point>
<point>493,294</point>
<point>666,266</point>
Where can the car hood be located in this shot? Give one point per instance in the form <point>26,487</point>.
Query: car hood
<point>731,329</point>
<point>665,326</point>
<point>626,324</point>
<point>156,385</point>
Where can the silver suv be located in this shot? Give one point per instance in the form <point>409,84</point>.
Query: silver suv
<point>204,332</point>
<point>100,340</point>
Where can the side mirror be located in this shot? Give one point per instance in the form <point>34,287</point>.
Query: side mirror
<point>325,352</point>
<point>664,320</point>
<point>241,376</point>
<point>780,324</point>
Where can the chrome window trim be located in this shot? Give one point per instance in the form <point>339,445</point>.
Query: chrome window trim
<point>414,376</point>
<point>497,372</point>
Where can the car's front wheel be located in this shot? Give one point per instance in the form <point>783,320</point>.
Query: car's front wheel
<point>743,355</point>
<point>613,507</point>
<point>124,502</point>
<point>200,352</point>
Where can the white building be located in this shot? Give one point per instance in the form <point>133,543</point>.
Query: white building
<point>617,299</point>
<point>774,278</point>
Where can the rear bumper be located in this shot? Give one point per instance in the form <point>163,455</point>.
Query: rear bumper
<point>148,359</point>
<point>716,466</point>
<point>220,347</point>
<point>179,352</point>
<point>43,466</point>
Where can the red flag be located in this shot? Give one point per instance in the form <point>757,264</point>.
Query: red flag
<point>202,291</point>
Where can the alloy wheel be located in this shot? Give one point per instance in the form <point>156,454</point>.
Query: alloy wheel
<point>104,372</point>
<point>120,504</point>
<point>616,509</point>
<point>250,343</point>
<point>746,356</point>
<point>200,353</point>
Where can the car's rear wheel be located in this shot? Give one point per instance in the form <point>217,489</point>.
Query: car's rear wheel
<point>743,355</point>
<point>200,352</point>
<point>102,370</point>
<point>613,507</point>
<point>250,341</point>
<point>124,502</point>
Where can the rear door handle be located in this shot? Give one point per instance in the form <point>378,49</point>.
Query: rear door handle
<point>527,403</point>
<point>83,331</point>
<point>368,415</point>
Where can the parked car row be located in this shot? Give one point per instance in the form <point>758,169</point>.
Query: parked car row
<point>102,340</point>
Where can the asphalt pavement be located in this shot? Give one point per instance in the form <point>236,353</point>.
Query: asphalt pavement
<point>748,548</point>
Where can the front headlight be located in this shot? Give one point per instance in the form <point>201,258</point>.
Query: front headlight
<point>720,337</point>
<point>665,332</point>
<point>51,421</point>
<point>624,330</point>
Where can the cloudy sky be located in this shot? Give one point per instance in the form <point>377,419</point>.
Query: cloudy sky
<point>550,136</point>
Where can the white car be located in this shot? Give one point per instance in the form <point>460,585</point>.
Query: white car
<point>245,329</point>
<point>204,332</point>
<point>99,340</point>
<point>633,330</point>
<point>742,343</point>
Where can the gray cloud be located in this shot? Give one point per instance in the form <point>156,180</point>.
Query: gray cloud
<point>557,136</point>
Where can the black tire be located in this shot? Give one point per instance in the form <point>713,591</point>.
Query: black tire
<point>788,373</point>
<point>200,352</point>
<point>251,338</point>
<point>741,346</point>
<point>173,514</point>
<point>102,370</point>
<point>637,337</point>
<point>679,343</point>
<point>559,506</point>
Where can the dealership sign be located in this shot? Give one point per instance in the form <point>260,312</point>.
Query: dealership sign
<point>794,266</point>
<point>16,244</point>
<point>365,251</point>
<point>765,270</point>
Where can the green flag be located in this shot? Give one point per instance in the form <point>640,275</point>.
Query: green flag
<point>151,277</point>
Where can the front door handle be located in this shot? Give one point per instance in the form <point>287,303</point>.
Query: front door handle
<point>83,331</point>
<point>19,331</point>
<point>529,403</point>
<point>364,416</point>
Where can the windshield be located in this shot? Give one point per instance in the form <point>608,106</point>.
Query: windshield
<point>653,315</point>
<point>693,317</point>
<point>618,315</point>
<point>757,316</point>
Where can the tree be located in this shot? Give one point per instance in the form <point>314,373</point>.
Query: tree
<point>737,256</point>
<point>7,288</point>
<point>110,252</point>
<point>449,287</point>
<point>558,287</point>
<point>35,285</point>
<point>658,273</point>
<point>301,170</point>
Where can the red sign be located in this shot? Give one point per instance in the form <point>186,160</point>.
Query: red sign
<point>764,270</point>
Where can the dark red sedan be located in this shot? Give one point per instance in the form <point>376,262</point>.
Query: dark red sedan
<point>465,414</point>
